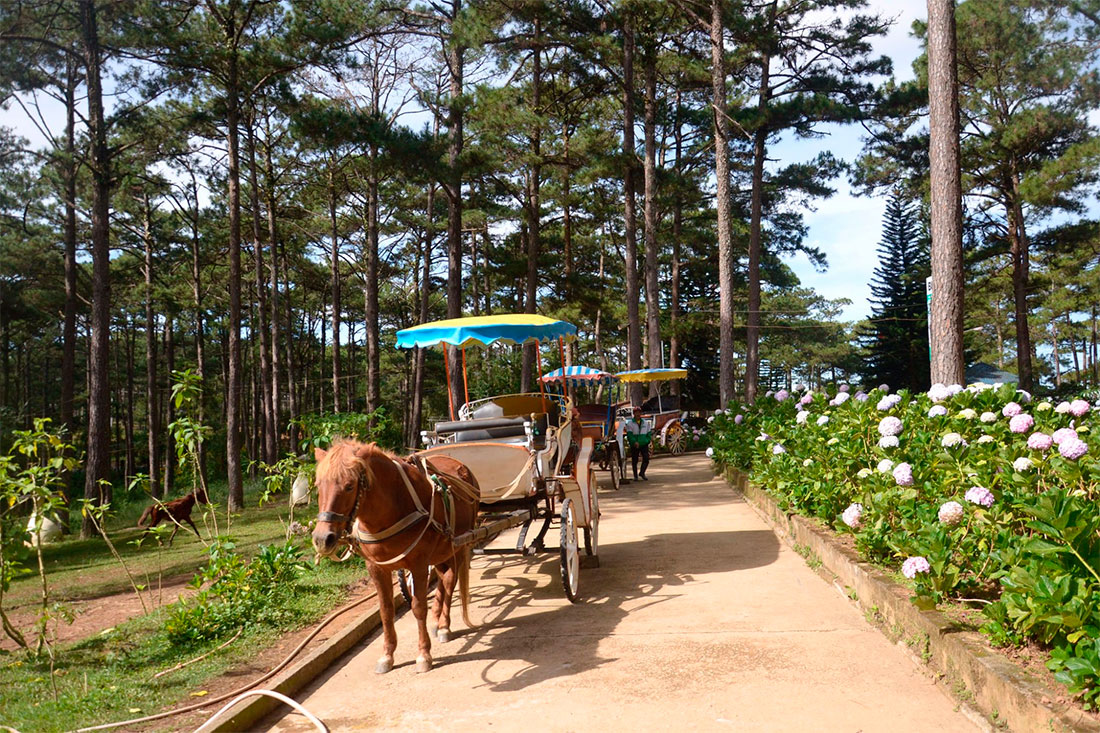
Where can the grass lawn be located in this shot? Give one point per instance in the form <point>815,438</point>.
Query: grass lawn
<point>109,676</point>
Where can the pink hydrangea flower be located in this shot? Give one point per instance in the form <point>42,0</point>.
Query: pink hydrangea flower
<point>853,516</point>
<point>884,388</point>
<point>1039,441</point>
<point>782,395</point>
<point>1073,449</point>
<point>1063,434</point>
<point>1078,408</point>
<point>914,566</point>
<point>890,426</point>
<point>1011,409</point>
<point>840,399</point>
<point>903,474</point>
<point>861,396</point>
<point>737,419</point>
<point>1021,423</point>
<point>806,399</point>
<point>979,495</point>
<point>843,388</point>
<point>951,513</point>
<point>778,450</point>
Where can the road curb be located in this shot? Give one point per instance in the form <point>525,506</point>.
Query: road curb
<point>251,710</point>
<point>1007,695</point>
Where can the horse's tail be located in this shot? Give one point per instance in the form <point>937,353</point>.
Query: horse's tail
<point>462,567</point>
<point>145,515</point>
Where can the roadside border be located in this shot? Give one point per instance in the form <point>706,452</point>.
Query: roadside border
<point>1006,694</point>
<point>250,711</point>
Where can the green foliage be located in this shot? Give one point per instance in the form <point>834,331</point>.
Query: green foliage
<point>1030,556</point>
<point>235,592</point>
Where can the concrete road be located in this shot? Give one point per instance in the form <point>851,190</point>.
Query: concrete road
<point>697,619</point>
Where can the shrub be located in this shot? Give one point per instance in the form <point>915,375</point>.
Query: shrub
<point>960,479</point>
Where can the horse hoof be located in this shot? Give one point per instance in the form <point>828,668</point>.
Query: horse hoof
<point>423,664</point>
<point>444,635</point>
<point>385,664</point>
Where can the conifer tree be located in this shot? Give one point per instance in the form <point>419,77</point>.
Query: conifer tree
<point>897,342</point>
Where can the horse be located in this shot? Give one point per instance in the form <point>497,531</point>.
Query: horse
<point>176,511</point>
<point>399,513</point>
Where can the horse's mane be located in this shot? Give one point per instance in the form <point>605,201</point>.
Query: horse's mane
<point>348,459</point>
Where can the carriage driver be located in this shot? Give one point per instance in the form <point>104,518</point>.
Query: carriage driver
<point>638,437</point>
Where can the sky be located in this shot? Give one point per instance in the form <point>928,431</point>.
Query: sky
<point>845,227</point>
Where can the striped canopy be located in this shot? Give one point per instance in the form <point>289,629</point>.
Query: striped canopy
<point>578,376</point>
<point>651,375</point>
<point>519,328</point>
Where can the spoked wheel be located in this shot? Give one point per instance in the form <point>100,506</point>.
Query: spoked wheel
<point>676,440</point>
<point>592,531</point>
<point>405,581</point>
<point>570,555</point>
<point>613,468</point>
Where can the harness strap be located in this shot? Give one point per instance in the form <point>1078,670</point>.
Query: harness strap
<point>367,538</point>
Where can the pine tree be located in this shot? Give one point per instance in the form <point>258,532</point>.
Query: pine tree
<point>897,342</point>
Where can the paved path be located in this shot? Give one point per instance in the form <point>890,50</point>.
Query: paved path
<point>699,618</point>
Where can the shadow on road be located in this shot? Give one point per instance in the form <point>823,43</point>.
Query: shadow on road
<point>633,576</point>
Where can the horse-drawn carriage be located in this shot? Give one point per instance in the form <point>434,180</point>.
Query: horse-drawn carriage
<point>515,460</point>
<point>532,460</point>
<point>595,420</point>
<point>661,412</point>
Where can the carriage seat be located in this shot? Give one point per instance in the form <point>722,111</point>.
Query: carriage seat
<point>666,403</point>
<point>520,405</point>
<point>492,429</point>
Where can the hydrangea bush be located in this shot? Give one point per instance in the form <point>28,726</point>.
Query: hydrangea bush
<point>978,495</point>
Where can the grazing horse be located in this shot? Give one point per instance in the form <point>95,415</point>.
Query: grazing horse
<point>176,511</point>
<point>399,514</point>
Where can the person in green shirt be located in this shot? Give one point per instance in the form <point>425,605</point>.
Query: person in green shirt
<point>638,437</point>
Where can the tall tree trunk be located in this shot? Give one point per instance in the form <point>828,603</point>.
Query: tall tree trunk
<point>291,376</point>
<point>128,339</point>
<point>1021,274</point>
<point>335,266</point>
<point>152,399</point>
<point>567,215</point>
<point>677,232</point>
<point>630,216</point>
<point>1057,356</point>
<point>267,397</point>
<point>99,392</point>
<point>722,202</point>
<point>416,418</point>
<point>453,189</point>
<point>68,331</point>
<point>652,300</point>
<point>374,357</point>
<point>756,216</point>
<point>1092,361</point>
<point>533,209</point>
<point>945,315</point>
<point>234,377</point>
<point>1073,349</point>
<point>169,438</point>
<point>200,327</point>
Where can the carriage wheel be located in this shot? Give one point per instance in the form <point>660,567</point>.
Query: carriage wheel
<point>570,556</point>
<point>613,467</point>
<point>405,581</point>
<point>592,531</point>
<point>676,440</point>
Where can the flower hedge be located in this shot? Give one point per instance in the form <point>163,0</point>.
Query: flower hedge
<point>976,495</point>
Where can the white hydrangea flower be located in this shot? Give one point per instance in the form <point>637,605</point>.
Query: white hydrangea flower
<point>989,417</point>
<point>967,413</point>
<point>808,462</point>
<point>950,440</point>
<point>887,441</point>
<point>885,465</point>
<point>800,418</point>
<point>985,439</point>
<point>863,473</point>
<point>1022,464</point>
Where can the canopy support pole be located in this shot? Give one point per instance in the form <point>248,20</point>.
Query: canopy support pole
<point>465,386</point>
<point>447,369</point>
<point>542,385</point>
<point>565,380</point>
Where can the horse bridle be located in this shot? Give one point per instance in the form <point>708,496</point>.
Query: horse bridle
<point>352,536</point>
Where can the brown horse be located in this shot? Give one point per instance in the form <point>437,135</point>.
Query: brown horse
<point>176,511</point>
<point>405,521</point>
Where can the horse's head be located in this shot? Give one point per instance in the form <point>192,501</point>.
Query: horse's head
<point>342,473</point>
